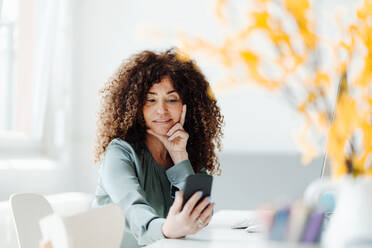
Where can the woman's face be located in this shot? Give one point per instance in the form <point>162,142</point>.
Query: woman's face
<point>163,107</point>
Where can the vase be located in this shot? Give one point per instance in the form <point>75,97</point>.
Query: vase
<point>350,225</point>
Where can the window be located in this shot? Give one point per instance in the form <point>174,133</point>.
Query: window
<point>20,101</point>
<point>7,63</point>
<point>7,33</point>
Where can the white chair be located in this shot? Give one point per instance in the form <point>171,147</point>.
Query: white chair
<point>95,228</point>
<point>27,210</point>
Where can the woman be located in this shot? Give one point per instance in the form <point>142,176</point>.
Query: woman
<point>158,123</point>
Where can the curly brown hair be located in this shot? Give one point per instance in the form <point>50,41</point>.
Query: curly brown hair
<point>123,98</point>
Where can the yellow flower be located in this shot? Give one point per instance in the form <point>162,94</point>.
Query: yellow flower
<point>365,10</point>
<point>321,79</point>
<point>182,55</point>
<point>346,46</point>
<point>299,9</point>
<point>220,5</point>
<point>366,76</point>
<point>322,120</point>
<point>346,118</point>
<point>364,162</point>
<point>249,57</point>
<point>251,62</point>
<point>260,19</point>
<point>346,122</point>
<point>335,148</point>
<point>309,151</point>
<point>310,98</point>
<point>278,36</point>
<point>261,1</point>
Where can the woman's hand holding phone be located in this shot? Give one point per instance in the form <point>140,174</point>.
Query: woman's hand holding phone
<point>189,219</point>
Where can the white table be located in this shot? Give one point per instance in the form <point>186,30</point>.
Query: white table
<point>219,234</point>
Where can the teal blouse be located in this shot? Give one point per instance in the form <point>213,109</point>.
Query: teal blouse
<point>130,177</point>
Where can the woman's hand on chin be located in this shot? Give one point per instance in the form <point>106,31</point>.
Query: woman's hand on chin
<point>176,139</point>
<point>188,220</point>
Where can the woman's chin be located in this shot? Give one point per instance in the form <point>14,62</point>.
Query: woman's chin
<point>161,131</point>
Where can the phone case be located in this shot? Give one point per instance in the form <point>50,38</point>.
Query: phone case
<point>197,182</point>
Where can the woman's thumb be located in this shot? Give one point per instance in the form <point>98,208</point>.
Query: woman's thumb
<point>177,204</point>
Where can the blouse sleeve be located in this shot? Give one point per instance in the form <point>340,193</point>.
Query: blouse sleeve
<point>178,173</point>
<point>120,180</point>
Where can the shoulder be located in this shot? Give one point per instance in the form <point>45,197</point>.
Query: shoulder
<point>121,144</point>
<point>121,149</point>
<point>119,164</point>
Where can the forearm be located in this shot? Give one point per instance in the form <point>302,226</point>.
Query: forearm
<point>145,229</point>
<point>179,172</point>
<point>142,221</point>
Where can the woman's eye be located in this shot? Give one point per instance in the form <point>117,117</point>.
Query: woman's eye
<point>150,100</point>
<point>173,100</point>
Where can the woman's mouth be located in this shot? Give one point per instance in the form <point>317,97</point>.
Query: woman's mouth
<point>164,121</point>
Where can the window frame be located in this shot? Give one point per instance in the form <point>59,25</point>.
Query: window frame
<point>13,143</point>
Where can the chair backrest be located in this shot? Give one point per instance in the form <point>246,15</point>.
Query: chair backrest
<point>27,210</point>
<point>95,228</point>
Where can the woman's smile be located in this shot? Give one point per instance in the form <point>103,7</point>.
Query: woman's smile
<point>162,121</point>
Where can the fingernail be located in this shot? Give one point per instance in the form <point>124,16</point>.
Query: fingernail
<point>200,193</point>
<point>168,133</point>
<point>209,199</point>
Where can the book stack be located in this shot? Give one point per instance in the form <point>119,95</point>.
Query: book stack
<point>298,223</point>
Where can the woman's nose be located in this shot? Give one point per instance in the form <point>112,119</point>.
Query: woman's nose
<point>162,107</point>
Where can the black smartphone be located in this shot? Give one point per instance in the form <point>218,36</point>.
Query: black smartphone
<point>197,182</point>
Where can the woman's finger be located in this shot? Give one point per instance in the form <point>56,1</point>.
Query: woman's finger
<point>200,207</point>
<point>177,204</point>
<point>206,213</point>
<point>178,133</point>
<point>190,204</point>
<point>183,115</point>
<point>176,127</point>
<point>206,222</point>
